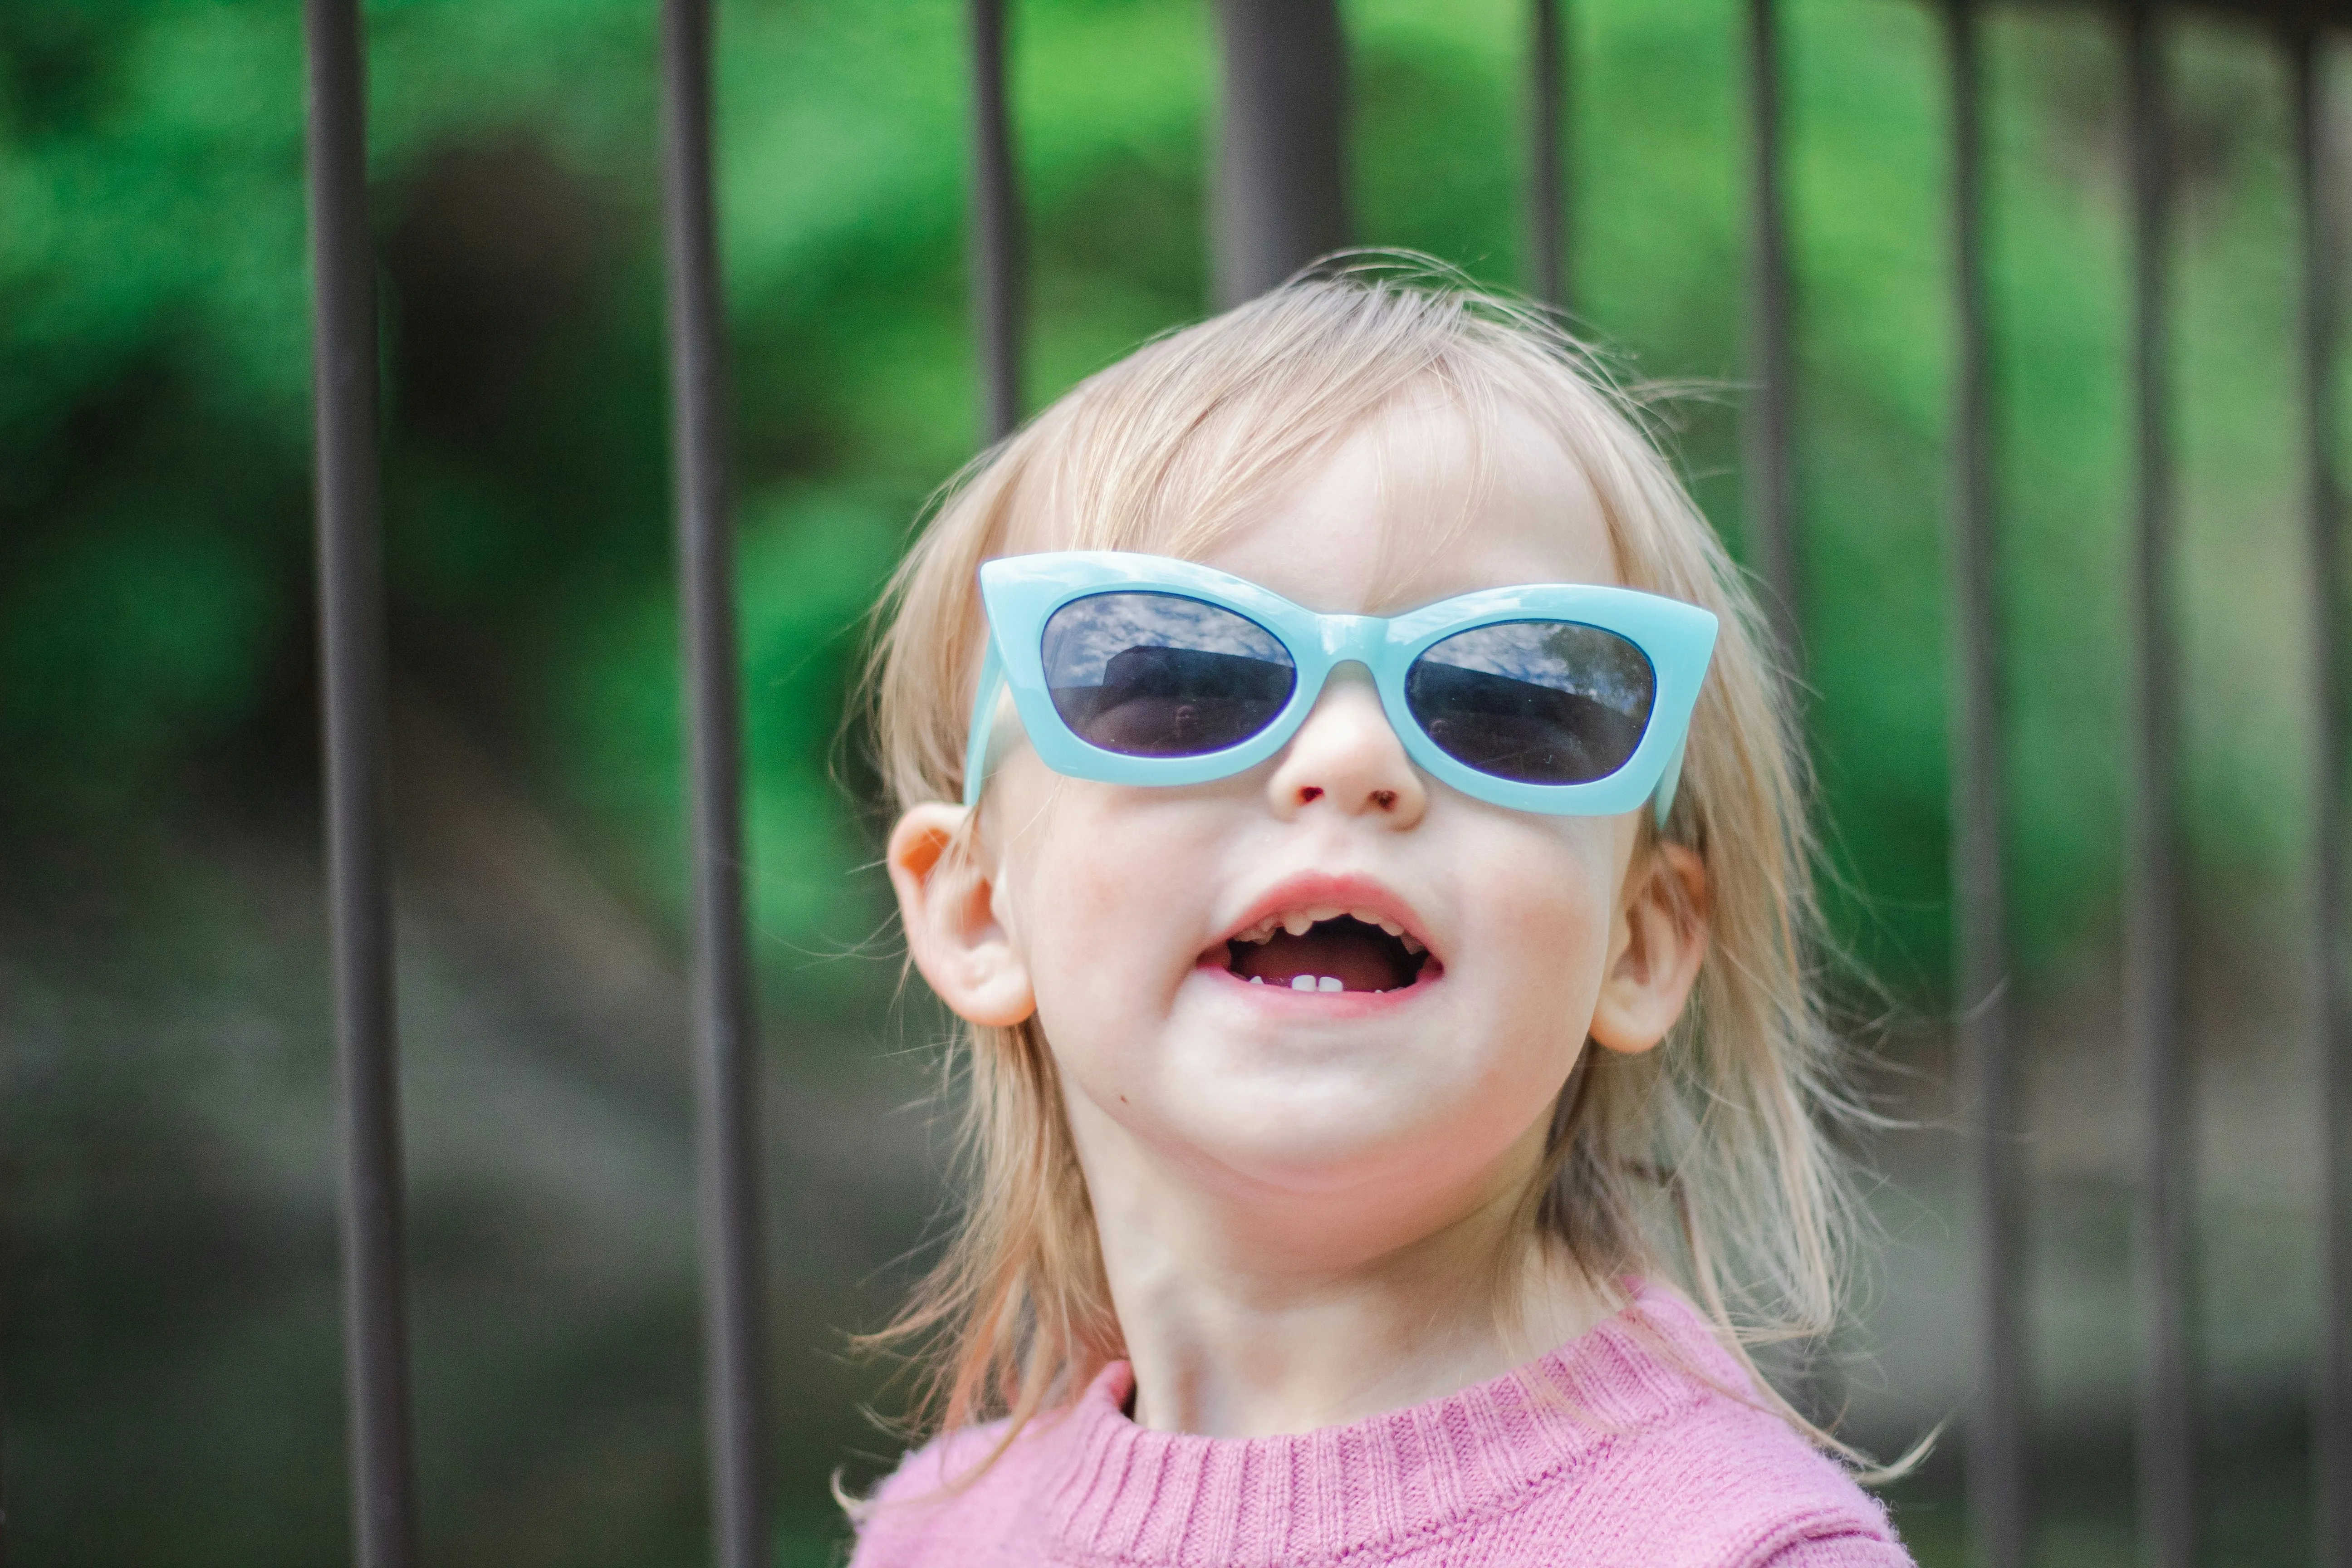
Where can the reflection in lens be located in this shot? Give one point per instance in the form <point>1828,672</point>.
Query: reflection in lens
<point>1159,675</point>
<point>1548,702</point>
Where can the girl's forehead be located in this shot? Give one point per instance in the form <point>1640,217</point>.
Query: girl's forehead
<point>1418,505</point>
<point>1420,501</point>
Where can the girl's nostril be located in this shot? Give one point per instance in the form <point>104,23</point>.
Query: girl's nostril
<point>1385,799</point>
<point>1312,792</point>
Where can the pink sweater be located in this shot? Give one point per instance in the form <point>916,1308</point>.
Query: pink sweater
<point>1641,1465</point>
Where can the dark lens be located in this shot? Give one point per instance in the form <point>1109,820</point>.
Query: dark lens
<point>1547,702</point>
<point>1159,675</point>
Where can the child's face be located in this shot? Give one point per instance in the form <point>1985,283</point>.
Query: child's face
<point>1113,910</point>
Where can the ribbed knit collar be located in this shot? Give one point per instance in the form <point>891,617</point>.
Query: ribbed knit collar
<point>1127,1495</point>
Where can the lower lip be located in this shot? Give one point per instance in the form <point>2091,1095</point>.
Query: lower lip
<point>1335,1004</point>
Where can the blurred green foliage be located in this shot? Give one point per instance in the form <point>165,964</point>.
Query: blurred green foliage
<point>154,584</point>
<point>153,375</point>
<point>154,567</point>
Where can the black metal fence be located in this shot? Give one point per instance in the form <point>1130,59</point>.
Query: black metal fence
<point>1279,202</point>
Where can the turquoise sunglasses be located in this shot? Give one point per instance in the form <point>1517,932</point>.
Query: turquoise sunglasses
<point>1563,698</point>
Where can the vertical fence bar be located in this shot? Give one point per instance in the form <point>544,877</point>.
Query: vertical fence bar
<point>1995,1465</point>
<point>996,281</point>
<point>726,1041</point>
<point>2333,1475</point>
<point>1546,157</point>
<point>352,667</point>
<point>1771,484</point>
<point>1281,185</point>
<point>2152,978</point>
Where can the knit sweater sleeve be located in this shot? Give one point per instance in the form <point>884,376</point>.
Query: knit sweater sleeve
<point>939,1506</point>
<point>1845,1550</point>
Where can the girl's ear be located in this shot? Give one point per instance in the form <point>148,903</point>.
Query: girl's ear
<point>1654,949</point>
<point>949,908</point>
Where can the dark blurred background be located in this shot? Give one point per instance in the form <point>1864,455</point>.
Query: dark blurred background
<point>168,1337</point>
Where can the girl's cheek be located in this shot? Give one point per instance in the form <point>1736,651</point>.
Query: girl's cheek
<point>1556,923</point>
<point>1100,927</point>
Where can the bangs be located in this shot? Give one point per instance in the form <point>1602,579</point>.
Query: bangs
<point>1200,433</point>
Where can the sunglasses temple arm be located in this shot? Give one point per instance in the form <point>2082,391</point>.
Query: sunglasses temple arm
<point>984,724</point>
<point>1663,798</point>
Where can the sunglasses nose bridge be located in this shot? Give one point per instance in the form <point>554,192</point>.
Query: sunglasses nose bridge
<point>1354,640</point>
<point>1353,637</point>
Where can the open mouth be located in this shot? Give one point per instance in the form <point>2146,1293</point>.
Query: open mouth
<point>1338,952</point>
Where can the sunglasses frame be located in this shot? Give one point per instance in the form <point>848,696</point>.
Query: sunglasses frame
<point>1021,593</point>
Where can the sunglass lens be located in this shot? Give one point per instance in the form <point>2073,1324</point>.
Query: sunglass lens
<point>1545,702</point>
<point>1159,675</point>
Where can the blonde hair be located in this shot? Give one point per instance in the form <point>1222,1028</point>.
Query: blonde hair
<point>1706,1162</point>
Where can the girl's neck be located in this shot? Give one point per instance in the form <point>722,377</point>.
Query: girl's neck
<point>1269,1317</point>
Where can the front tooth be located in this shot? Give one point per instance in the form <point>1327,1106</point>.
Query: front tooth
<point>1261,933</point>
<point>1390,927</point>
<point>1330,982</point>
<point>1302,983</point>
<point>1331,913</point>
<point>1297,923</point>
<point>1412,946</point>
<point>1257,979</point>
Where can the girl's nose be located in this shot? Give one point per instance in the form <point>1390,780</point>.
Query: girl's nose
<point>1346,758</point>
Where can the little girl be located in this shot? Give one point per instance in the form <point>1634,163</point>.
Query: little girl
<point>1345,796</point>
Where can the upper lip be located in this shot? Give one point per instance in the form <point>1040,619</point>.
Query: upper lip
<point>1326,896</point>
